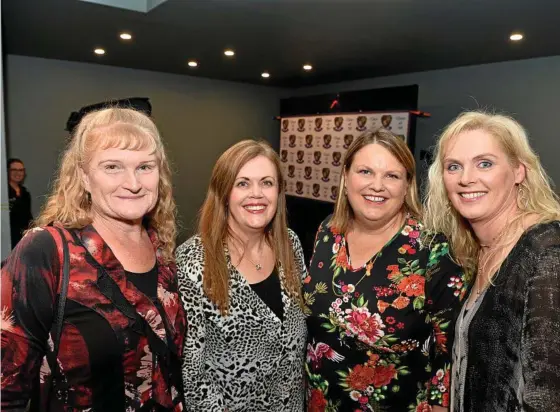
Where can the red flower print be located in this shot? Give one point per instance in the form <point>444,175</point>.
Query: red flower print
<point>390,320</point>
<point>317,401</point>
<point>391,330</point>
<point>373,358</point>
<point>307,279</point>
<point>363,400</point>
<point>401,302</point>
<point>400,325</point>
<point>393,268</point>
<point>356,295</point>
<point>411,251</point>
<point>360,377</point>
<point>342,258</point>
<point>424,407</point>
<point>381,306</point>
<point>384,375</point>
<point>414,234</point>
<point>320,265</point>
<point>412,222</point>
<point>412,285</point>
<point>446,379</point>
<point>368,327</point>
<point>406,247</point>
<point>337,239</point>
<point>445,399</point>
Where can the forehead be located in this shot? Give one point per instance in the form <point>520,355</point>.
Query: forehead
<point>376,156</point>
<point>123,155</point>
<point>472,143</point>
<point>16,164</point>
<point>258,167</point>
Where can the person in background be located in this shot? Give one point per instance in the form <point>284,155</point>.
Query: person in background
<point>20,201</point>
<point>382,293</point>
<point>123,324</point>
<point>240,283</point>
<point>489,193</point>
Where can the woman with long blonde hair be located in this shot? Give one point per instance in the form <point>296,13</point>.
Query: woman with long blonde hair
<point>240,280</point>
<point>490,195</point>
<point>91,318</point>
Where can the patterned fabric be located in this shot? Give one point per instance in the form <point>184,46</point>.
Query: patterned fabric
<point>105,365</point>
<point>248,361</point>
<point>380,335</point>
<point>506,355</point>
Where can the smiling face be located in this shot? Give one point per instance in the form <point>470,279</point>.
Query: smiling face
<point>123,184</point>
<point>16,172</point>
<point>478,176</point>
<point>376,183</point>
<point>254,197</point>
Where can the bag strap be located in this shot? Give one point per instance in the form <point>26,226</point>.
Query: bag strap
<point>61,303</point>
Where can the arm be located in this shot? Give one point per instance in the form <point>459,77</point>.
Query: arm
<point>540,350</point>
<point>201,392</point>
<point>445,288</point>
<point>298,252</point>
<point>29,287</point>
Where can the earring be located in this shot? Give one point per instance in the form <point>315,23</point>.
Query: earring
<point>522,199</point>
<point>345,191</point>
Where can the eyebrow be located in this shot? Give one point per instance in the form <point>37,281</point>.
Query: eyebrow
<point>387,171</point>
<point>477,157</point>
<point>246,178</point>
<point>120,161</point>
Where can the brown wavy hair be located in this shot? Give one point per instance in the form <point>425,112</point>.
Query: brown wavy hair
<point>214,229</point>
<point>69,203</point>
<point>343,214</point>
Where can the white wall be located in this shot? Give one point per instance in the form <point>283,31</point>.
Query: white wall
<point>529,90</point>
<point>198,118</point>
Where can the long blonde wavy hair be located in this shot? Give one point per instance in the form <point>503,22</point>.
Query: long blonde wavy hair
<point>214,229</point>
<point>535,195</point>
<point>69,203</point>
<point>343,214</point>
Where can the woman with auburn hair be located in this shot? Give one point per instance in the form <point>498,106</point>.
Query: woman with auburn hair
<point>490,195</point>
<point>90,312</point>
<point>382,295</point>
<point>240,281</point>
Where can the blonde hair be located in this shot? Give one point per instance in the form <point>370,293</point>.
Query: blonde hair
<point>535,196</point>
<point>69,203</point>
<point>343,214</point>
<point>214,229</point>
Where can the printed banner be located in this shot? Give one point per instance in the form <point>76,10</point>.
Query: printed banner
<point>312,148</point>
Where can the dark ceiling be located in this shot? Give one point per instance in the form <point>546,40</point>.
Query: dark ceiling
<point>342,39</point>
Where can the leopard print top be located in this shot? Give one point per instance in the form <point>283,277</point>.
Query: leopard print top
<point>249,360</point>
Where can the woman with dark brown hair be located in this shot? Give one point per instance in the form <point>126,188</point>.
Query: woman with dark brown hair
<point>240,279</point>
<point>382,295</point>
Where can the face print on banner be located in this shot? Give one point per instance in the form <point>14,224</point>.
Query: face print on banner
<point>291,170</point>
<point>361,123</point>
<point>327,141</point>
<point>326,174</point>
<point>300,155</point>
<point>285,125</point>
<point>292,140</point>
<point>301,125</point>
<point>318,124</point>
<point>317,157</point>
<point>386,120</point>
<point>284,155</point>
<point>307,174</point>
<point>299,187</point>
<point>338,123</point>
<point>336,158</point>
<point>309,141</point>
<point>334,192</point>
<point>316,190</point>
<point>348,139</point>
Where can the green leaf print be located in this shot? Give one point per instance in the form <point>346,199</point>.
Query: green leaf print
<point>419,302</point>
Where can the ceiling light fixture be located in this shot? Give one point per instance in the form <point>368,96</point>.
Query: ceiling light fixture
<point>266,75</point>
<point>192,63</point>
<point>307,67</point>
<point>229,53</point>
<point>99,51</point>
<point>516,37</point>
<point>125,36</point>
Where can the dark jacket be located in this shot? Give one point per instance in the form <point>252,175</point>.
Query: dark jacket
<point>20,213</point>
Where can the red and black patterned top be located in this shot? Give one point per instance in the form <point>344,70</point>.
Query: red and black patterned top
<point>104,363</point>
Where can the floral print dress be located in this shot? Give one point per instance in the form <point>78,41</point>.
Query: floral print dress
<point>380,335</point>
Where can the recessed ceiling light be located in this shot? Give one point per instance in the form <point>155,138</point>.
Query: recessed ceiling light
<point>266,75</point>
<point>307,67</point>
<point>516,37</point>
<point>99,51</point>
<point>229,53</point>
<point>125,36</point>
<point>192,63</point>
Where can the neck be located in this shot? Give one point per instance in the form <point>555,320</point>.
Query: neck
<point>15,185</point>
<point>378,228</point>
<point>487,231</point>
<point>248,240</point>
<point>119,230</point>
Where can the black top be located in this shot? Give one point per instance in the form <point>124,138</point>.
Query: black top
<point>270,292</point>
<point>511,346</point>
<point>145,282</point>
<point>20,213</point>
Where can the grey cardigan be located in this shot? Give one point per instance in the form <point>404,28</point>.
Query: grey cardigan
<point>507,345</point>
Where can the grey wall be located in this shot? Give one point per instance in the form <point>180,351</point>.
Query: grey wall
<point>4,200</point>
<point>529,90</point>
<point>198,118</point>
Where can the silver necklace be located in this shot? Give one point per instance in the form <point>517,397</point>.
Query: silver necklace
<point>257,265</point>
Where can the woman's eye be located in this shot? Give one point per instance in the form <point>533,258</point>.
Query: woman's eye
<point>485,164</point>
<point>364,172</point>
<point>242,184</point>
<point>392,176</point>
<point>452,167</point>
<point>146,168</point>
<point>111,168</point>
<point>268,183</point>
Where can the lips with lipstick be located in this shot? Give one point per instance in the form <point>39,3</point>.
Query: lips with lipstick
<point>255,208</point>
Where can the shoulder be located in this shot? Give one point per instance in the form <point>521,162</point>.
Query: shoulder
<point>293,237</point>
<point>189,257</point>
<point>37,241</point>
<point>542,237</point>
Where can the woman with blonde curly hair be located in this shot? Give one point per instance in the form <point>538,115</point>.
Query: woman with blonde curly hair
<point>90,313</point>
<point>489,194</point>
